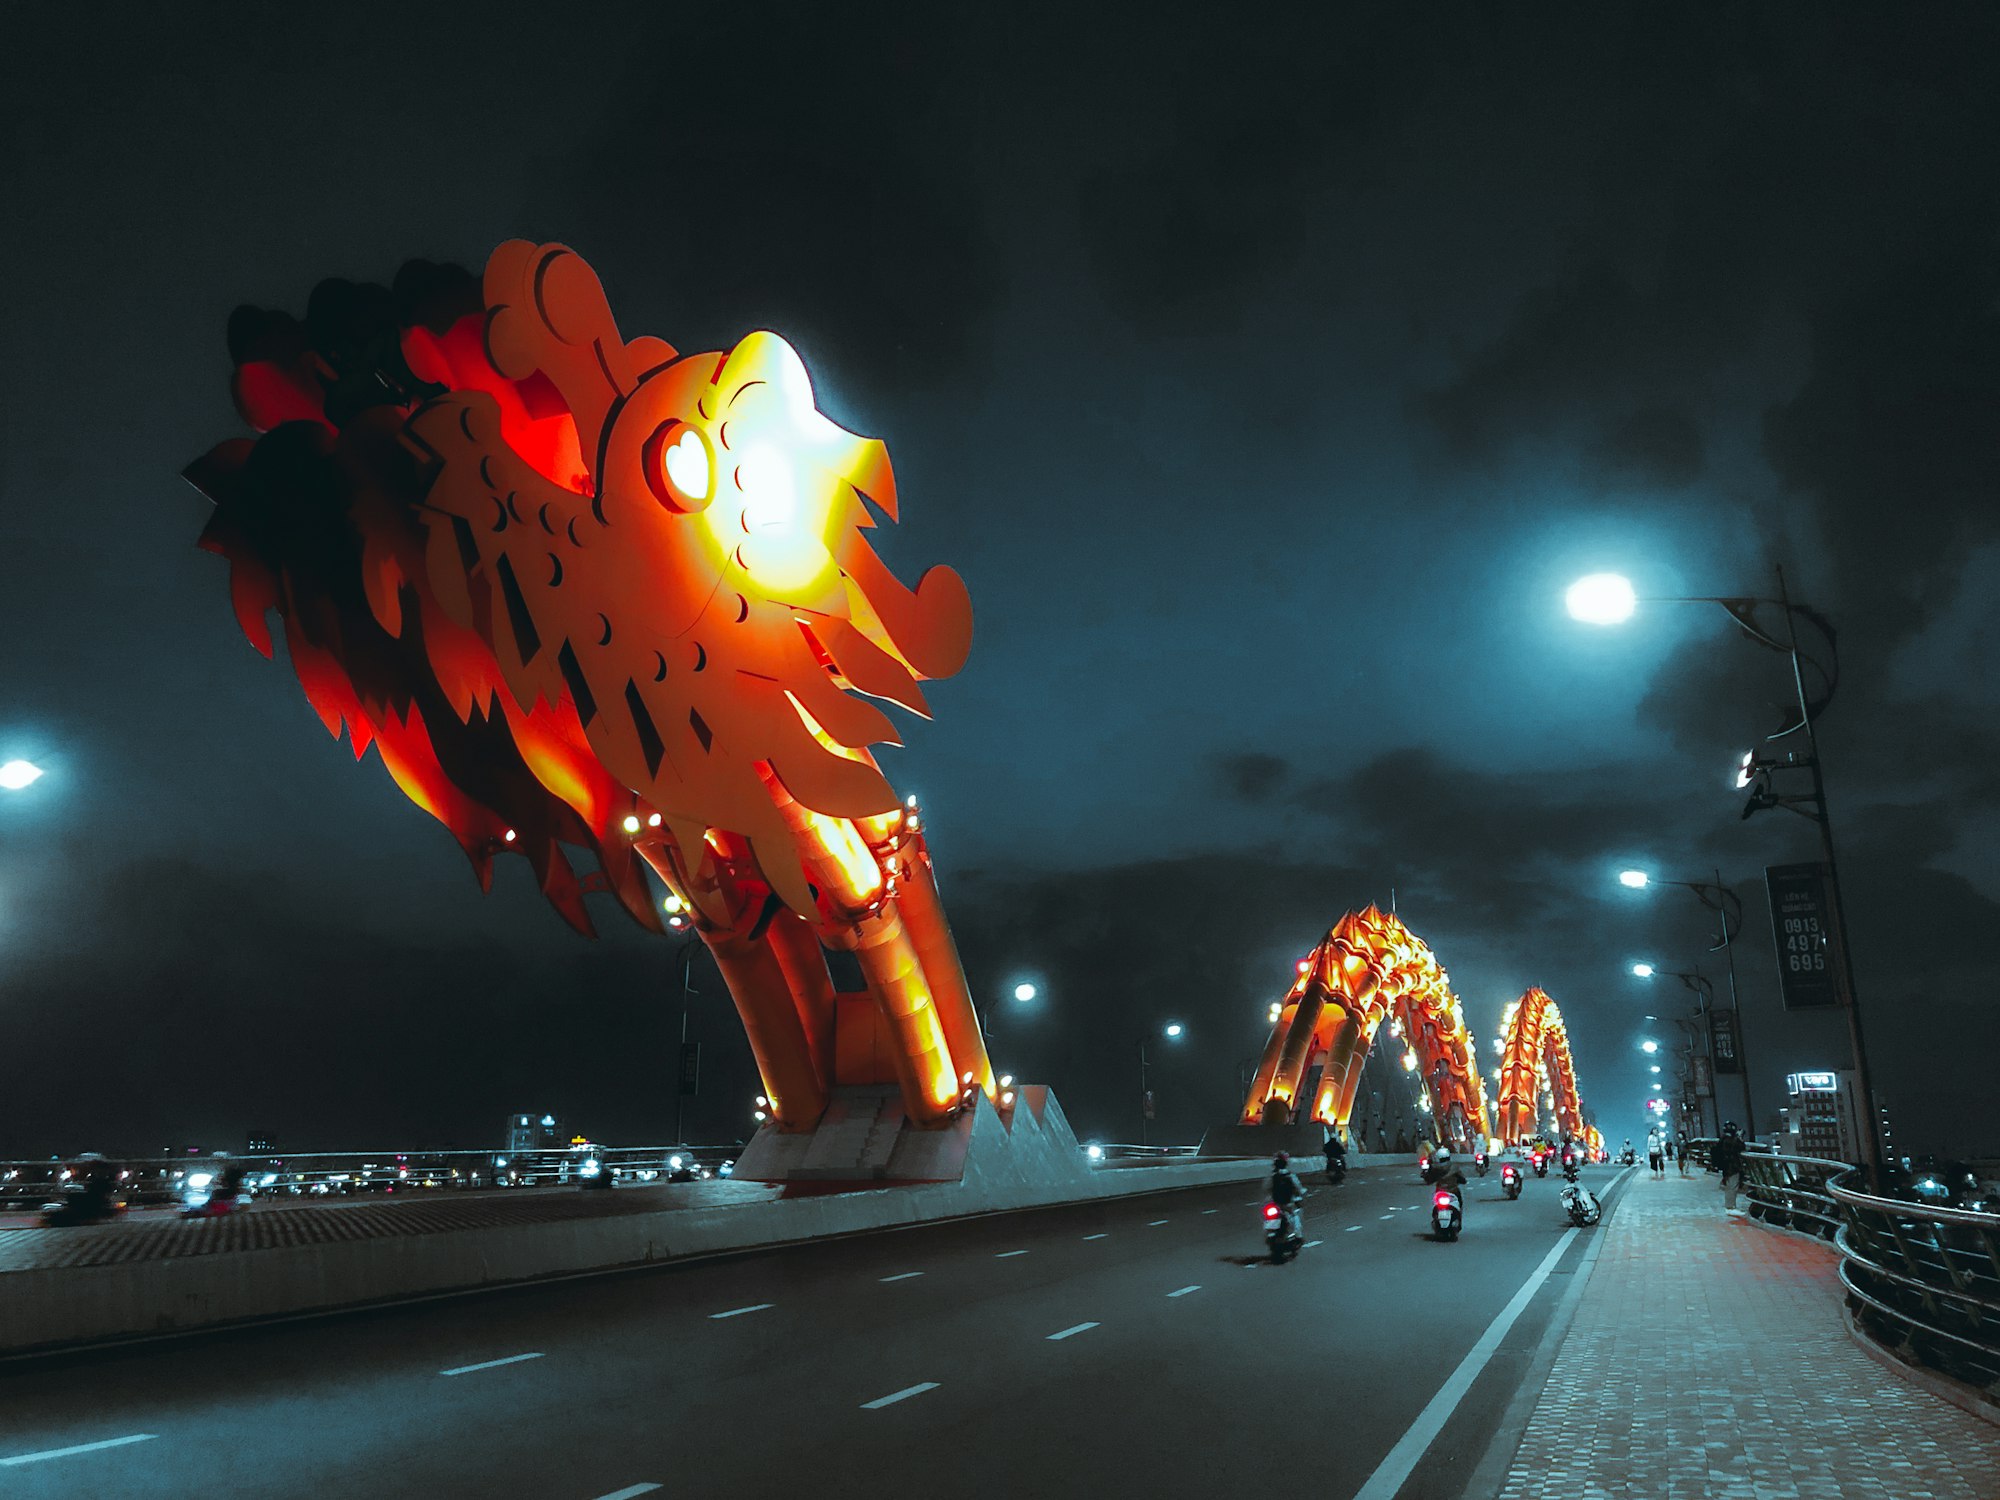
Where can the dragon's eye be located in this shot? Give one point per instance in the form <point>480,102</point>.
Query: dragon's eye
<point>679,468</point>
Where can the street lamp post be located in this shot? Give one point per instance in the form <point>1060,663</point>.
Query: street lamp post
<point>1728,908</point>
<point>681,922</point>
<point>1172,1032</point>
<point>1704,993</point>
<point>1608,599</point>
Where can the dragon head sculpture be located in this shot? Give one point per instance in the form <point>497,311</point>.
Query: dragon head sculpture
<point>677,546</point>
<point>643,579</point>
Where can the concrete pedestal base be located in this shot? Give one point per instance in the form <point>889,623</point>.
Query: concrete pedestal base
<point>865,1139</point>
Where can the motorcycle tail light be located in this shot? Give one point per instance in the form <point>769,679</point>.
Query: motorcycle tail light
<point>1270,1210</point>
<point>1442,1200</point>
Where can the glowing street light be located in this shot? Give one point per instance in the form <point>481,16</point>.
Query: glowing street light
<point>1025,992</point>
<point>1649,1045</point>
<point>1173,1028</point>
<point>1636,880</point>
<point>1643,971</point>
<point>1656,1067</point>
<point>19,774</point>
<point>1601,599</point>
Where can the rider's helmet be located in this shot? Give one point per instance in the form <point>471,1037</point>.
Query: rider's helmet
<point>1443,1158</point>
<point>1282,1159</point>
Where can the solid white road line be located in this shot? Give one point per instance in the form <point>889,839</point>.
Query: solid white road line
<point>1009,1254</point>
<point>737,1312</point>
<point>1097,1236</point>
<point>902,1276</point>
<point>903,1395</point>
<point>489,1364</point>
<point>1080,1328</point>
<point>35,1458</point>
<point>1186,1289</point>
<point>1402,1459</point>
<point>629,1492</point>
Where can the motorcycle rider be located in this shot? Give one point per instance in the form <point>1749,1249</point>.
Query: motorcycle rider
<point>1288,1192</point>
<point>1336,1156</point>
<point>1444,1173</point>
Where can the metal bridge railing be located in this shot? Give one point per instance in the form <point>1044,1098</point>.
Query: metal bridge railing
<point>1921,1279</point>
<point>1924,1280</point>
<point>321,1175</point>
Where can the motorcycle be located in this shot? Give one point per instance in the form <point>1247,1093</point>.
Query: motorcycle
<point>1479,1162</point>
<point>81,1206</point>
<point>1336,1170</point>
<point>1447,1214</point>
<point>1578,1201</point>
<point>1510,1180</point>
<point>1541,1164</point>
<point>1284,1237</point>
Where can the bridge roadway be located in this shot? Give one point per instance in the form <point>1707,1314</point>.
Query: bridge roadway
<point>1128,1347</point>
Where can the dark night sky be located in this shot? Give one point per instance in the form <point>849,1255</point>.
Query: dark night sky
<point>1267,382</point>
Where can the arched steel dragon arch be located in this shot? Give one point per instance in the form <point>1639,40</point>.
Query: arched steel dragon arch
<point>1368,971</point>
<point>1537,1073</point>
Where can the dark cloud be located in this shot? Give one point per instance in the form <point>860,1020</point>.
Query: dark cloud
<point>1252,775</point>
<point>1895,433</point>
<point>1651,446</point>
<point>821,186</point>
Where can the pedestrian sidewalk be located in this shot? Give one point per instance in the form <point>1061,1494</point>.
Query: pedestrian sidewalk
<point>1708,1359</point>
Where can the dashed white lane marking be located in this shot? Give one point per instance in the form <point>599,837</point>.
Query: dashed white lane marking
<point>46,1453</point>
<point>1067,1332</point>
<point>1311,1243</point>
<point>1211,1210</point>
<point>1386,1216</point>
<point>1009,1254</point>
<point>902,1276</point>
<point>903,1395</point>
<point>1185,1290</point>
<point>737,1312</point>
<point>1156,1223</point>
<point>630,1491</point>
<point>1353,1228</point>
<point>1097,1236</point>
<point>489,1364</point>
<point>1401,1460</point>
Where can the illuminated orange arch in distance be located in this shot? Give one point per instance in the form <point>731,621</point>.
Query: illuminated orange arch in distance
<point>1369,969</point>
<point>1535,1061</point>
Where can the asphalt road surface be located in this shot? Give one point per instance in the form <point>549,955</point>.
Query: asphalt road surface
<point>1129,1348</point>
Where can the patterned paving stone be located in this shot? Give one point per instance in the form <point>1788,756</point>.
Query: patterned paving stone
<point>1707,1361</point>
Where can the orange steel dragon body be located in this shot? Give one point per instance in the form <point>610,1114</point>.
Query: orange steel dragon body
<point>588,591</point>
<point>1536,1067</point>
<point>1368,971</point>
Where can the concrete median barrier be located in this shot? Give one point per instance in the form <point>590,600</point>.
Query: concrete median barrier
<point>70,1305</point>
